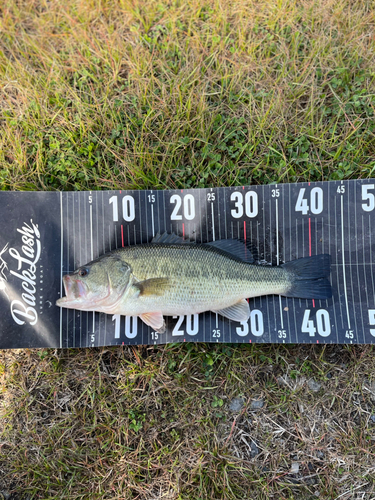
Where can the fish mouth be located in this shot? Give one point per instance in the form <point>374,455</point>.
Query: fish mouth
<point>74,289</point>
<point>77,296</point>
<point>75,292</point>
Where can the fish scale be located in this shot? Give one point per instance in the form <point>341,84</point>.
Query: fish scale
<point>201,277</point>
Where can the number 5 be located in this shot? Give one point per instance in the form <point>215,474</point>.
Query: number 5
<point>371,319</point>
<point>369,197</point>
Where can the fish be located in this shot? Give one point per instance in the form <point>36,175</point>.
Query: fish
<point>173,277</point>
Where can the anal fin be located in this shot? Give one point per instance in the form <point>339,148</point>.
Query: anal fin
<point>155,320</point>
<point>240,311</point>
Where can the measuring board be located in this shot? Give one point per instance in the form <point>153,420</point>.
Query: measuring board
<point>47,234</point>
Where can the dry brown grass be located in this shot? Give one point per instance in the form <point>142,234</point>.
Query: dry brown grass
<point>156,422</point>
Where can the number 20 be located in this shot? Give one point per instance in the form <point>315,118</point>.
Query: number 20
<point>188,207</point>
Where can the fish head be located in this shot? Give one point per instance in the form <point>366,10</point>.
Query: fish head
<point>96,286</point>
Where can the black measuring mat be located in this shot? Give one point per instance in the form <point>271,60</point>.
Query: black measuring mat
<point>45,235</point>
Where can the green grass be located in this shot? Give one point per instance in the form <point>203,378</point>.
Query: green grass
<point>103,94</point>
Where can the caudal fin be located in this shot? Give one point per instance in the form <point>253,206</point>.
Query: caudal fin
<point>309,277</point>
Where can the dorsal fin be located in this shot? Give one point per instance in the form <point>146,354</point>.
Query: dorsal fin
<point>169,238</point>
<point>236,248</point>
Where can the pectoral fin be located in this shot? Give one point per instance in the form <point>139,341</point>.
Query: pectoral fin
<point>152,286</point>
<point>155,320</point>
<point>237,312</point>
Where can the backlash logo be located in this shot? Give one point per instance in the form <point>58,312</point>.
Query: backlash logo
<point>25,309</point>
<point>3,268</point>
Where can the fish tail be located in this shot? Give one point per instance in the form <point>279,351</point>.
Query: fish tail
<point>309,277</point>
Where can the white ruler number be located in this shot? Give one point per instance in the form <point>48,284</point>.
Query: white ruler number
<point>371,319</point>
<point>369,198</point>
<point>188,207</point>
<point>323,325</point>
<point>131,326</point>
<point>251,204</point>
<point>316,201</point>
<point>192,325</point>
<point>256,325</point>
<point>128,208</point>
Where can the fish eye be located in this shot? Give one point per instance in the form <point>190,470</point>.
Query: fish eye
<point>83,272</point>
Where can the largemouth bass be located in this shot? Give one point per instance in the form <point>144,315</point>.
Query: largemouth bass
<point>170,276</point>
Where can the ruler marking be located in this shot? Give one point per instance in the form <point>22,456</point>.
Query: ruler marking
<point>219,202</point>
<point>278,260</point>
<point>225,218</point>
<point>213,221</point>
<point>146,215</point>
<point>356,256</point>
<point>277,234</point>
<point>297,256</point>
<point>91,238</point>
<point>204,315</point>
<point>364,260</point>
<point>144,328</point>
<point>152,219</point>
<point>337,268</point>
<point>165,213</point>
<point>264,249</point>
<point>218,191</point>
<point>371,261</point>
<point>68,270</point>
<point>80,262</point>
<point>92,258</point>
<point>140,216</point>
<point>213,239</point>
<point>74,266</point>
<point>350,260</point>
<point>330,252</point>
<point>343,261</point>
<point>61,260</point>
<point>258,242</point>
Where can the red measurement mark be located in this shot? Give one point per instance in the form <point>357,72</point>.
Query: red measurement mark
<point>244,230</point>
<point>250,341</point>
<point>122,235</point>
<point>183,231</point>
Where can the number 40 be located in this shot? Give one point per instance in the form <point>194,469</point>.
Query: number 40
<point>316,201</point>
<point>322,323</point>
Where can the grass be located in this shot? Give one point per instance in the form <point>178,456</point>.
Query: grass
<point>106,94</point>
